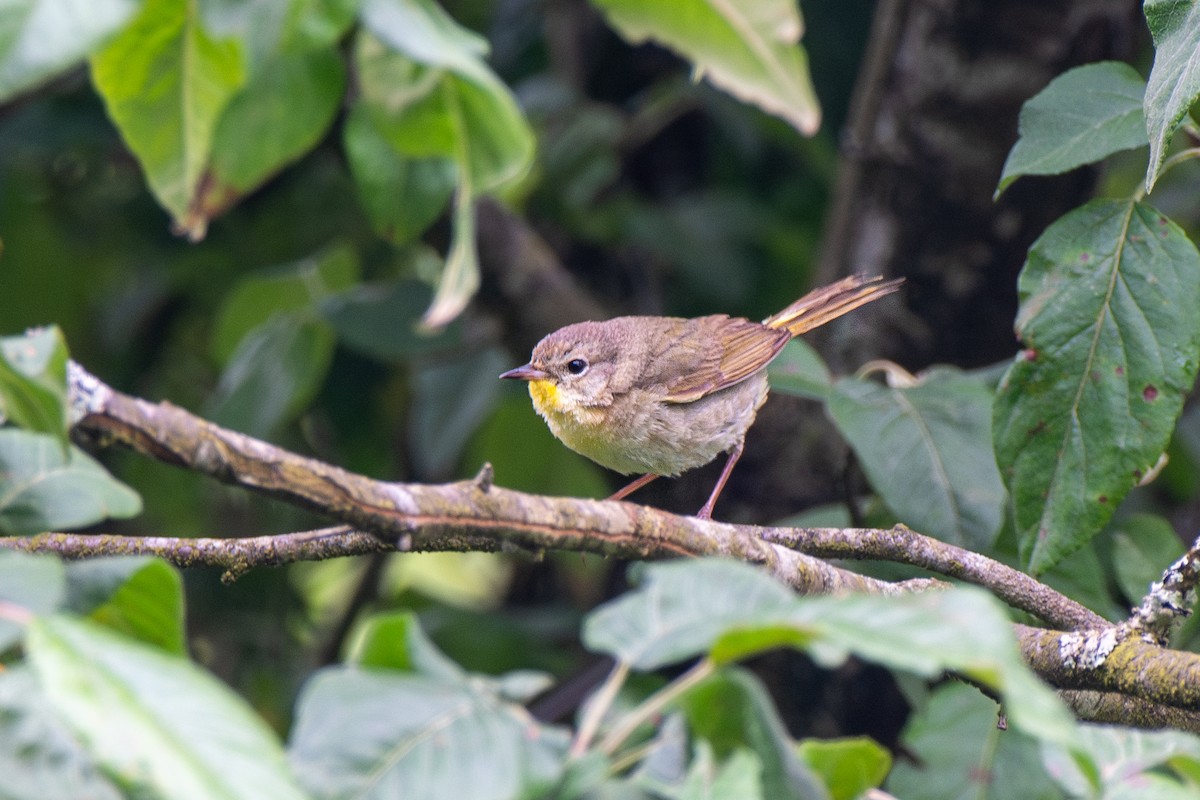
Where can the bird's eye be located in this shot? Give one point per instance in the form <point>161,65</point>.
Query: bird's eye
<point>577,366</point>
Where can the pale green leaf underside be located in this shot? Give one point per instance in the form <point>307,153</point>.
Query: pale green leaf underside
<point>1174,82</point>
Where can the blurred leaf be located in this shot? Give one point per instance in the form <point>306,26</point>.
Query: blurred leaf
<point>732,611</point>
<point>155,722</point>
<point>40,38</point>
<point>460,278</point>
<point>277,117</point>
<point>268,28</point>
<point>431,93</point>
<point>961,753</point>
<point>1085,114</point>
<point>850,767</point>
<point>42,488</point>
<point>274,374</point>
<point>36,583</point>
<point>138,596</point>
<point>668,618</point>
<point>737,776</point>
<point>165,82</point>
<point>1144,545</point>
<point>734,713</point>
<point>749,49</point>
<point>257,297</point>
<point>402,194</point>
<point>1156,765</point>
<point>394,640</point>
<point>451,397</point>
<point>927,450</point>
<point>380,320</point>
<point>439,738</point>
<point>1110,322</point>
<point>465,580</point>
<point>33,381</point>
<point>527,457</point>
<point>1082,577</point>
<point>39,758</point>
<point>800,370</point>
<point>1174,82</point>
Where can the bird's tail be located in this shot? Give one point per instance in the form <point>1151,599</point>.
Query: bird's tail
<point>830,302</point>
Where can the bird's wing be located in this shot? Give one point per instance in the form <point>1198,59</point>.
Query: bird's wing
<point>714,353</point>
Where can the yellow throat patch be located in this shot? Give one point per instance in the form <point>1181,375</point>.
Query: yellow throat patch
<point>544,394</point>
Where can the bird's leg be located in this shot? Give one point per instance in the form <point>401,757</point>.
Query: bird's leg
<point>633,487</point>
<point>734,455</point>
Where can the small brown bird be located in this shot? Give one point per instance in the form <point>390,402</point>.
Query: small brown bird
<point>662,395</point>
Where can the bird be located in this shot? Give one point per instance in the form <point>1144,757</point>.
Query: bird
<point>663,395</point>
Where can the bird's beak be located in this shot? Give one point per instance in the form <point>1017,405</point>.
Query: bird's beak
<point>526,373</point>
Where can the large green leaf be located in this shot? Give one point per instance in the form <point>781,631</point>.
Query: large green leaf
<point>731,611</point>
<point>141,597</point>
<point>1083,115</point>
<point>33,381</point>
<point>36,583</point>
<point>396,641</point>
<point>165,81</point>
<point>750,49</point>
<point>451,397</point>
<point>961,752</point>
<point>155,722</point>
<point>1143,546</point>
<point>44,488</point>
<point>927,450</point>
<point>800,370</point>
<point>277,117</point>
<point>380,320</point>
<point>382,734</point>
<point>1110,324</point>
<point>1174,82</point>
<point>39,38</point>
<point>39,758</point>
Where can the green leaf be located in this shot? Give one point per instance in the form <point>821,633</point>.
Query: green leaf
<point>35,583</point>
<point>733,611</point>
<point>849,768</point>
<point>256,298</point>
<point>800,370</point>
<point>1174,82</point>
<point>39,758</point>
<point>927,450</point>
<point>431,94</point>
<point>165,82</point>
<point>402,194</point>
<point>140,597</point>
<point>750,50</point>
<point>269,28</point>
<point>669,617</point>
<point>380,320</point>
<point>961,753</point>
<point>438,738</point>
<point>460,278</point>
<point>42,488</point>
<point>451,397</point>
<point>395,640</point>
<point>1083,115</point>
<point>1133,763</point>
<point>33,381</point>
<point>156,723</point>
<point>40,38</point>
<point>734,713</point>
<point>277,117</point>
<point>1143,546</point>
<point>736,776</point>
<point>274,374</point>
<point>1110,323</point>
